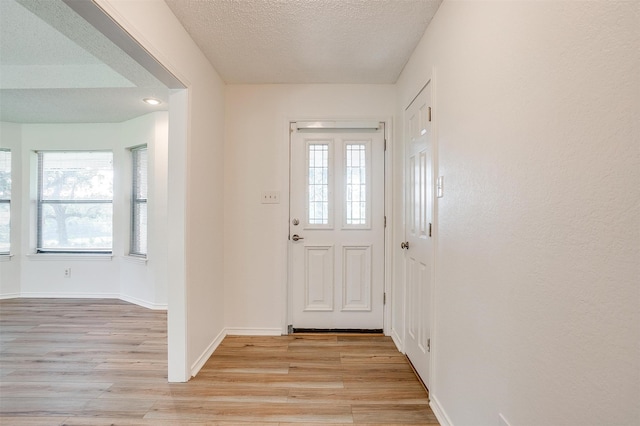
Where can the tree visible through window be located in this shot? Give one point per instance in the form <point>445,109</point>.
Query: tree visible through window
<point>75,201</point>
<point>5,201</point>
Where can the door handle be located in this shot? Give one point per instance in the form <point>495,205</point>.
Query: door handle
<point>404,245</point>
<point>297,237</point>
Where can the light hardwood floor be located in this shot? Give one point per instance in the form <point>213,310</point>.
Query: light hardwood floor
<point>104,362</point>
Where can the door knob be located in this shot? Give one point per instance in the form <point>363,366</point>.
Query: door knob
<point>404,245</point>
<point>297,237</point>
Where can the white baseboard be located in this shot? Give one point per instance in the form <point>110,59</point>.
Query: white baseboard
<point>9,296</point>
<point>397,340</point>
<point>143,303</point>
<point>130,299</point>
<point>437,409</point>
<point>58,295</point>
<point>195,368</point>
<point>241,331</point>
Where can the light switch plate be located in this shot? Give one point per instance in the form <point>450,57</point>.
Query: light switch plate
<point>270,197</point>
<point>440,187</point>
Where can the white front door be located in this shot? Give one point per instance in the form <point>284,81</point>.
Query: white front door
<point>336,229</point>
<point>418,231</point>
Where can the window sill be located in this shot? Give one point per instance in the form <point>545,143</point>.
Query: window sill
<point>5,257</point>
<point>70,256</point>
<point>139,260</point>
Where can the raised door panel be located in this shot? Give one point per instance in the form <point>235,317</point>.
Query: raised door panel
<point>319,280</point>
<point>356,278</point>
<point>421,313</point>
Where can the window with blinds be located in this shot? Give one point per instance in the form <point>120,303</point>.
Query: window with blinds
<point>75,201</point>
<point>139,202</point>
<point>5,201</point>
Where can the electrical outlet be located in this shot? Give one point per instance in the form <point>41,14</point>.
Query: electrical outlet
<point>67,272</point>
<point>270,197</point>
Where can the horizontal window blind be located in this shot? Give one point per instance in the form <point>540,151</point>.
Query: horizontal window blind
<point>5,201</point>
<point>75,201</point>
<point>139,201</point>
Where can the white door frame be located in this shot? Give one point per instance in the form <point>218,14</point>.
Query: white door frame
<point>417,311</point>
<point>435,220</point>
<point>388,207</point>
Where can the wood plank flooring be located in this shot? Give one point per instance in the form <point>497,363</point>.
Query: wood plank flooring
<point>104,362</point>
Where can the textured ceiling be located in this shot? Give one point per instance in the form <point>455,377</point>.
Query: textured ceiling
<point>62,70</point>
<point>306,41</point>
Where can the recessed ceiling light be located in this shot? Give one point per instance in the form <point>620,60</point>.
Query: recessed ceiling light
<point>152,101</point>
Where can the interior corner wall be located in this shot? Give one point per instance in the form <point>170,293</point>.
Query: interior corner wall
<point>257,160</point>
<point>196,288</point>
<point>43,275</point>
<point>537,267</point>
<point>10,137</point>
<point>144,281</point>
<point>26,275</point>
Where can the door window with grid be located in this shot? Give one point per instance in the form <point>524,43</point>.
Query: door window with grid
<point>75,201</point>
<point>357,158</point>
<point>318,189</point>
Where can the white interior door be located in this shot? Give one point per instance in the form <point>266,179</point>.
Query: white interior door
<point>418,229</point>
<point>336,228</point>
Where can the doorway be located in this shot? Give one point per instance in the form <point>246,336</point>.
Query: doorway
<point>337,226</point>
<point>418,244</point>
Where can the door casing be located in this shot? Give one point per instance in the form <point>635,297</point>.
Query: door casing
<point>388,207</point>
<point>418,232</point>
<point>430,81</point>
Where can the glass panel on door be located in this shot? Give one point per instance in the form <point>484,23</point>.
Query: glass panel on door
<point>318,184</point>
<point>356,191</point>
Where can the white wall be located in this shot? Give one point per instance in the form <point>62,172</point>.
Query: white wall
<point>10,137</point>
<point>43,275</point>
<point>30,275</point>
<point>257,160</point>
<point>145,281</point>
<point>195,221</point>
<point>537,271</point>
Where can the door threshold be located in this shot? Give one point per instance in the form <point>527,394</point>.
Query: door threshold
<point>337,330</point>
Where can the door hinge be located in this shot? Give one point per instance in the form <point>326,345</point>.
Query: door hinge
<point>385,221</point>
<point>429,113</point>
<point>429,229</point>
<point>385,144</point>
<point>428,345</point>
<point>384,298</point>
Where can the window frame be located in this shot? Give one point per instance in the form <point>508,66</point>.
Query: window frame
<point>329,143</point>
<point>366,199</point>
<point>40,202</point>
<point>8,200</point>
<point>136,200</point>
